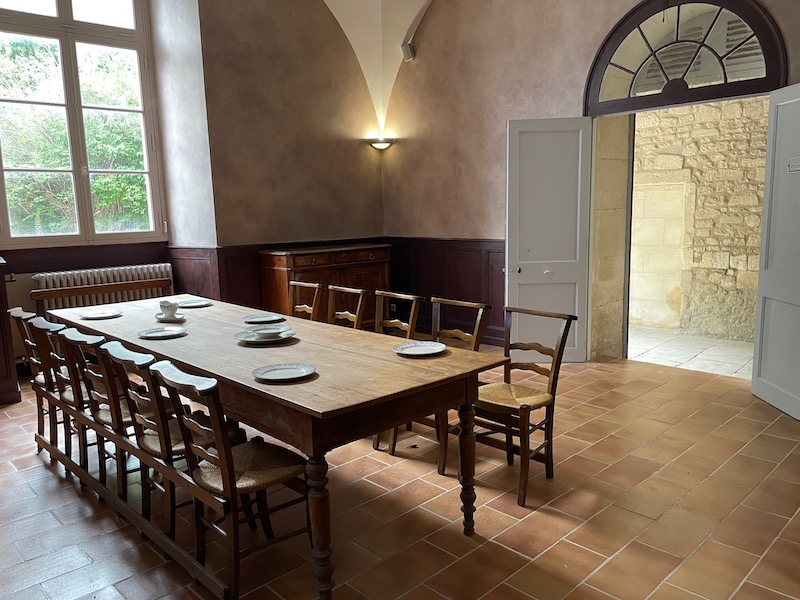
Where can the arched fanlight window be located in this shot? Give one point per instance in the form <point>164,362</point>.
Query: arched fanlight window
<point>669,52</point>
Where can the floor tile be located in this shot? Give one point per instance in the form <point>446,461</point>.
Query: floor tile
<point>729,565</point>
<point>476,573</point>
<point>679,531</point>
<point>635,572</point>
<point>778,569</point>
<point>609,531</point>
<point>556,572</point>
<point>776,496</point>
<point>750,530</point>
<point>537,532</point>
<point>714,497</point>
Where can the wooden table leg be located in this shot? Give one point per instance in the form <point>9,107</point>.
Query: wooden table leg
<point>319,510</point>
<point>466,446</point>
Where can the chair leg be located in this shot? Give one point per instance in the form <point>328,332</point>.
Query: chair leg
<point>39,418</point>
<point>376,441</point>
<point>244,499</point>
<point>442,427</point>
<point>393,440</point>
<point>263,506</point>
<point>122,474</point>
<point>232,550</point>
<point>169,507</point>
<point>53,420</point>
<point>199,532</point>
<point>66,421</point>
<point>510,449</point>
<point>147,488</point>
<point>524,453</point>
<point>548,438</point>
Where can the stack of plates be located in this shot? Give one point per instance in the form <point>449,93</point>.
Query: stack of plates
<point>265,334</point>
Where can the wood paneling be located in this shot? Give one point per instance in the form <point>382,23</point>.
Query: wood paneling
<point>459,269</point>
<point>196,271</point>
<point>9,389</point>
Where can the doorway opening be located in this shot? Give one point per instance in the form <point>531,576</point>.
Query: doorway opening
<point>698,188</point>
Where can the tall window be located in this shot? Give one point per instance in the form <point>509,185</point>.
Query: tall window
<point>76,130</point>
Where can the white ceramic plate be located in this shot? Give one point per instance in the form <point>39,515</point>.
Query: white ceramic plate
<point>419,348</point>
<point>262,318</point>
<point>283,372</point>
<point>269,331</point>
<point>194,303</point>
<point>162,333</point>
<point>250,338</point>
<point>178,318</point>
<point>94,315</point>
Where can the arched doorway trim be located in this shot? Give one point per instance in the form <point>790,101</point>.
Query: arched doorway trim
<point>668,52</point>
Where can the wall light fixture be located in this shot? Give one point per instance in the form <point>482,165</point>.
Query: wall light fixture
<point>380,143</point>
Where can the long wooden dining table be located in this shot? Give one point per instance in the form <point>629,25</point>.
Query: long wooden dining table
<point>361,386</point>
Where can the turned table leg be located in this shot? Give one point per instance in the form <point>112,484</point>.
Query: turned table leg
<point>466,445</point>
<point>319,510</point>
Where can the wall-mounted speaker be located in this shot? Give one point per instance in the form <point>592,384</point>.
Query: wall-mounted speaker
<point>408,51</point>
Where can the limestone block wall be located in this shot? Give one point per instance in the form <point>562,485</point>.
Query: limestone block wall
<point>717,152</point>
<point>609,223</point>
<point>657,238</point>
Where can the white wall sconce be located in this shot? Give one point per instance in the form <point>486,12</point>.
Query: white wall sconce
<point>380,143</point>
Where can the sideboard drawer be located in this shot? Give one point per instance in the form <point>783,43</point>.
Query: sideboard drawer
<point>312,260</point>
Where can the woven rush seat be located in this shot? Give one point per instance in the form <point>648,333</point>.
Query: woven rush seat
<point>512,395</point>
<point>256,464</point>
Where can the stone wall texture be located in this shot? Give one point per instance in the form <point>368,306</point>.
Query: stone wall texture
<point>717,151</point>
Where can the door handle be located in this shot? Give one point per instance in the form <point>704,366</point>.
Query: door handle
<point>519,269</point>
<point>547,272</point>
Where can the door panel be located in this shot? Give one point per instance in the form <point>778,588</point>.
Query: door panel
<point>547,223</point>
<point>776,377</point>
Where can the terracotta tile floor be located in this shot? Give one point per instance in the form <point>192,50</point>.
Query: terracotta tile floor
<point>670,484</point>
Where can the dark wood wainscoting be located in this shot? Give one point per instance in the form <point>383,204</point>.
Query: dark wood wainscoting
<point>458,269</point>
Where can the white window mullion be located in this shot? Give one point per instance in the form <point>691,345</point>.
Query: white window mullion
<point>77,138</point>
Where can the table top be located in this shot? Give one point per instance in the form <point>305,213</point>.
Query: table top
<point>353,368</point>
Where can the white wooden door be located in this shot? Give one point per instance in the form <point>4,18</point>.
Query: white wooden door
<point>547,223</point>
<point>776,360</point>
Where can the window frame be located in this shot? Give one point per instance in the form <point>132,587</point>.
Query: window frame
<point>69,32</point>
<point>753,14</point>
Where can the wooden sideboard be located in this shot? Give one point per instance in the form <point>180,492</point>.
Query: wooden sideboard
<point>360,265</point>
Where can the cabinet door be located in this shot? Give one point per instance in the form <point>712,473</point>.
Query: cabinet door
<point>369,277</point>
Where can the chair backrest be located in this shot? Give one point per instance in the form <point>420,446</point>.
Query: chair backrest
<point>471,338</point>
<point>298,306</point>
<point>149,411</point>
<point>216,445</point>
<point>41,345</point>
<point>21,317</point>
<point>104,385</point>
<point>555,352</point>
<point>337,312</point>
<point>73,360</point>
<point>383,319</point>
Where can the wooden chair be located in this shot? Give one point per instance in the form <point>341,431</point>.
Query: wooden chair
<point>20,317</point>
<point>44,366</point>
<point>109,407</point>
<point>469,340</point>
<point>386,323</point>
<point>72,389</point>
<point>223,472</point>
<point>339,292</point>
<point>156,430</point>
<point>297,306</point>
<point>505,407</point>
